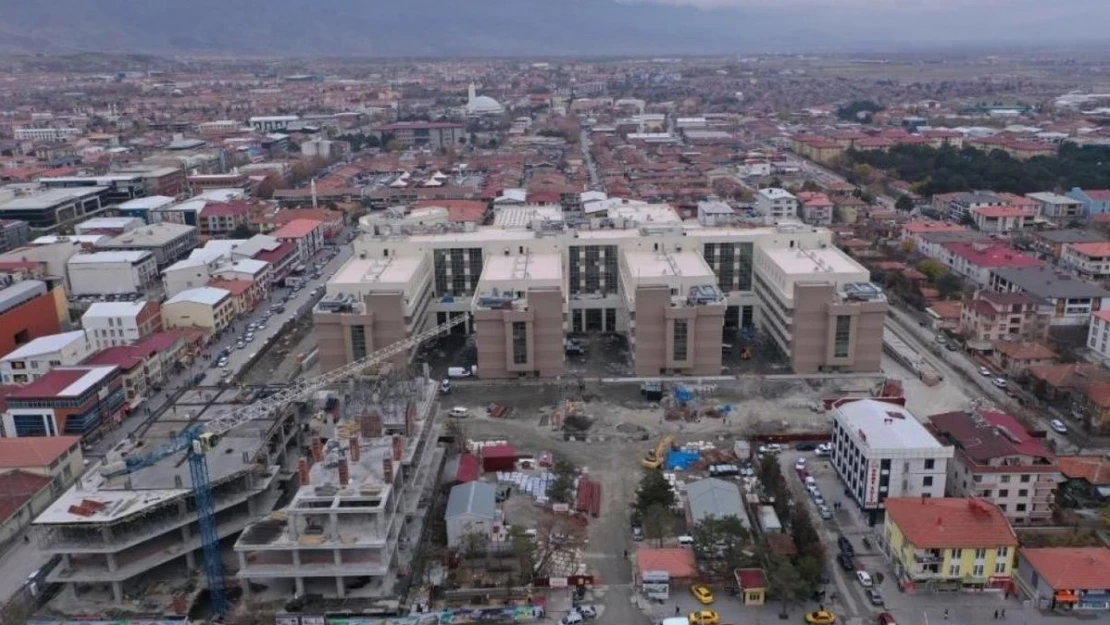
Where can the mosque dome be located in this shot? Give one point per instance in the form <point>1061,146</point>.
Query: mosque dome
<point>482,104</point>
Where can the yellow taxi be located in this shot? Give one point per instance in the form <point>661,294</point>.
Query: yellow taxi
<point>820,617</point>
<point>702,593</point>
<point>704,617</point>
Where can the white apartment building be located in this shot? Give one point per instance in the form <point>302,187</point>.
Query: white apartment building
<point>776,203</point>
<point>880,450</point>
<point>1098,336</point>
<point>111,273</point>
<point>45,134</point>
<point>120,323</point>
<point>32,360</point>
<point>1089,260</point>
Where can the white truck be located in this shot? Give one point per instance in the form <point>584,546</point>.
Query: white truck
<point>462,372</point>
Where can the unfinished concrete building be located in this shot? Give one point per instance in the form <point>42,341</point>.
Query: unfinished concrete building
<point>366,484</point>
<point>120,539</point>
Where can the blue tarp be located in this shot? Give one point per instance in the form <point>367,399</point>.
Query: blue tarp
<point>680,460</point>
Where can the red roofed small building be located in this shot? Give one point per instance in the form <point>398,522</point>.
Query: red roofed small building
<point>144,365</point>
<point>498,458</point>
<point>1002,219</point>
<point>991,315</point>
<point>306,234</point>
<point>26,495</point>
<point>752,584</point>
<point>1075,579</point>
<point>245,294</point>
<point>67,401</point>
<point>219,219</point>
<point>949,543</point>
<point>33,471</point>
<point>815,208</point>
<point>678,562</point>
<point>998,460</point>
<point>974,261</point>
<point>1089,260</point>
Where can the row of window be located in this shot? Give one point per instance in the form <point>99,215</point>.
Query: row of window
<point>19,365</point>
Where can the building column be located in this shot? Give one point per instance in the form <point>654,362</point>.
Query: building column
<point>112,566</point>
<point>191,560</point>
<point>117,592</point>
<point>340,589</point>
<point>296,558</point>
<point>299,584</point>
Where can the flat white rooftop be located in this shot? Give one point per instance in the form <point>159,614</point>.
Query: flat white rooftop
<point>46,345</point>
<point>109,257</point>
<point>522,269</point>
<point>114,309</point>
<point>827,261</point>
<point>884,426</point>
<point>684,264</point>
<point>645,214</point>
<point>154,234</point>
<point>396,273</point>
<point>151,202</point>
<point>523,216</point>
<point>203,295</point>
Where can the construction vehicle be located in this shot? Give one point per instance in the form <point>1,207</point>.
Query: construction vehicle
<point>655,457</point>
<point>197,441</point>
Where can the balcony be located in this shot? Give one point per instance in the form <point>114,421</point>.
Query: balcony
<point>921,557</point>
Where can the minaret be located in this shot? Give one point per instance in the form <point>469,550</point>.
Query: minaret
<point>313,184</point>
<point>471,94</point>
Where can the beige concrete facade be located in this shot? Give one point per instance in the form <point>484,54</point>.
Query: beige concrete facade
<point>351,332</point>
<point>522,340</point>
<point>676,339</point>
<point>833,334</point>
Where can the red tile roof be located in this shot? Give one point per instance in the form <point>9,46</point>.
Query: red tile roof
<point>1001,211</point>
<point>677,561</point>
<point>34,451</point>
<point>458,210</point>
<point>750,578</point>
<point>997,435</point>
<point>225,209</point>
<point>950,523</point>
<point>469,468</point>
<point>236,287</point>
<point>296,229</point>
<point>1094,469</point>
<point>1098,195</point>
<point>49,385</point>
<point>277,254</point>
<point>126,357</point>
<point>1098,248</point>
<point>159,341</point>
<point>921,227</point>
<point>18,488</point>
<point>992,255</point>
<point>1071,568</point>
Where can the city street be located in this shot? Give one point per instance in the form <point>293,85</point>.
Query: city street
<point>23,558</point>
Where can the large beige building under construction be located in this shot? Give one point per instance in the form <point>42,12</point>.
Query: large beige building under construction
<point>677,289</point>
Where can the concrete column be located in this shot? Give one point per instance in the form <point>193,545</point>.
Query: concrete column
<point>106,534</point>
<point>299,582</point>
<point>117,592</point>
<point>333,526</point>
<point>242,560</point>
<point>340,590</point>
<point>296,558</point>
<point>112,566</point>
<point>337,556</point>
<point>70,591</point>
<point>191,560</point>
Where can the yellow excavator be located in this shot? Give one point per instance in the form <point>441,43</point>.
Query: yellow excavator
<point>655,457</point>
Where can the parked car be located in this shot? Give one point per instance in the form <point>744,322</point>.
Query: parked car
<point>458,412</point>
<point>846,562</point>
<point>1058,426</point>
<point>587,611</point>
<point>1000,382</point>
<point>820,617</point>
<point>825,512</point>
<point>845,546</point>
<point>800,465</point>
<point>864,579</point>
<point>702,593</point>
<point>572,618</point>
<point>874,596</point>
<point>886,618</point>
<point>637,533</point>
<point>704,617</point>
<point>985,372</point>
<point>805,446</point>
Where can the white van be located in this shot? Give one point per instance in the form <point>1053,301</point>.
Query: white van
<point>686,540</point>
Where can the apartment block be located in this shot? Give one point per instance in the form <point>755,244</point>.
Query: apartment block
<point>991,315</point>
<point>1089,260</point>
<point>880,450</point>
<point>111,273</point>
<point>776,203</point>
<point>109,324</point>
<point>997,460</point>
<point>34,359</point>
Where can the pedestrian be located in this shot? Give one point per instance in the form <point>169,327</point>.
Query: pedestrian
<point>1003,613</point>
<point>26,539</point>
<point>625,554</point>
<point>946,614</point>
<point>677,610</point>
<point>996,615</point>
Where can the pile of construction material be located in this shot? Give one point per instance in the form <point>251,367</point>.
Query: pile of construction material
<point>532,484</point>
<point>588,497</point>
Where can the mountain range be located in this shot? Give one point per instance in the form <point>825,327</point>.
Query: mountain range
<point>489,28</point>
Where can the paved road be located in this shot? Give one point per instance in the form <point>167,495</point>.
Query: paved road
<point>24,558</point>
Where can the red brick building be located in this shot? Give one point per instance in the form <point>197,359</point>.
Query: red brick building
<point>27,312</point>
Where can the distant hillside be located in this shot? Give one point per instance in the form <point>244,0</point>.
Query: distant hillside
<point>406,28</point>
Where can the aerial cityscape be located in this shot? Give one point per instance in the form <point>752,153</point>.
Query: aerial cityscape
<point>405,333</point>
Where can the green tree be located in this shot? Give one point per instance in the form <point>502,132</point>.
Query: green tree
<point>654,490</point>
<point>657,523</point>
<point>561,489</point>
<point>242,231</point>
<point>720,544</point>
<point>904,204</point>
<point>786,584</point>
<point>524,549</point>
<point>932,268</point>
<point>950,286</point>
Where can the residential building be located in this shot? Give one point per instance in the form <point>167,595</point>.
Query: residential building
<point>306,234</point>
<point>33,360</point>
<point>220,219</point>
<point>1003,219</point>
<point>949,544</point>
<point>431,135</point>
<point>49,211</point>
<point>48,134</point>
<point>66,401</point>
<point>33,471</point>
<point>880,450</point>
<point>206,308</point>
<point>976,260</point>
<point>518,311</point>
<point>997,460</point>
<point>111,273</point>
<point>1098,336</point>
<point>991,315</point>
<point>28,310</point>
<point>1058,207</point>
<point>1014,358</point>
<point>816,208</point>
<point>1089,260</point>
<point>167,242</point>
<point>109,324</point>
<point>472,517</point>
<point>820,309</point>
<point>144,365</point>
<point>848,208</point>
<point>1086,480</point>
<point>245,294</point>
<point>1065,579</point>
<point>1049,244</point>
<point>146,208</point>
<point>282,256</point>
<point>1071,299</point>
<point>1094,201</point>
<point>776,204</point>
<point>959,205</point>
<point>109,226</point>
<point>119,187</point>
